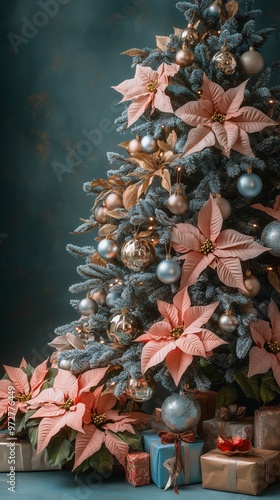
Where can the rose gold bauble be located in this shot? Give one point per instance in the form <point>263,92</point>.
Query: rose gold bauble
<point>252,286</point>
<point>178,203</point>
<point>113,200</point>
<point>100,214</point>
<point>251,62</point>
<point>99,296</point>
<point>184,57</point>
<point>224,206</point>
<point>134,146</point>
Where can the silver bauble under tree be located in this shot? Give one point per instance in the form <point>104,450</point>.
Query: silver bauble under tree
<point>228,322</point>
<point>270,237</point>
<point>88,306</point>
<point>123,327</point>
<point>137,254</point>
<point>180,412</point>
<point>178,204</point>
<point>111,298</point>
<point>149,144</point>
<point>113,200</point>
<point>249,185</point>
<point>251,62</point>
<point>224,206</point>
<point>140,389</point>
<point>168,271</point>
<point>108,249</point>
<point>65,364</point>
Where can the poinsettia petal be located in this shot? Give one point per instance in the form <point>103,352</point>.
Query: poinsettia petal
<point>186,237</point>
<point>90,378</point>
<point>137,108</point>
<point>169,312</point>
<point>19,378</point>
<point>191,344</point>
<point>261,332</point>
<point>162,102</point>
<point>251,119</point>
<point>66,382</point>
<point>120,427</point>
<point>234,244</point>
<point>166,70</point>
<point>242,144</point>
<point>4,385</point>
<point>154,352</point>
<point>182,303</point>
<point>232,99</point>
<point>199,138</point>
<point>210,220</point>
<point>211,90</point>
<point>177,362</point>
<point>196,113</point>
<point>157,331</point>
<point>145,74</point>
<point>193,266</point>
<point>117,447</point>
<point>4,407</point>
<point>222,138</point>
<point>232,132</point>
<point>50,426</point>
<point>38,376</point>
<point>23,363</point>
<point>47,396</point>
<point>48,411</point>
<point>275,365</point>
<point>259,361</point>
<point>268,210</point>
<point>274,316</point>
<point>87,443</point>
<point>106,402</point>
<point>196,316</point>
<point>210,340</point>
<point>230,272</point>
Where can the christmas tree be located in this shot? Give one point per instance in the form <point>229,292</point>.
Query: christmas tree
<point>181,289</point>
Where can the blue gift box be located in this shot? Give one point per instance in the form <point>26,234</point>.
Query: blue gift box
<point>159,452</point>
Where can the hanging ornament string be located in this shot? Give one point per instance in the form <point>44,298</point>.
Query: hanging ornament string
<point>168,249</point>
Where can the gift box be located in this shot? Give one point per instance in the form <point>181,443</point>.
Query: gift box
<point>137,470</point>
<point>267,428</point>
<point>215,427</point>
<point>249,474</point>
<point>161,454</point>
<point>18,453</point>
<point>207,402</point>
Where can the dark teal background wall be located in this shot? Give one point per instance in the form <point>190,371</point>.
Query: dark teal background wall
<point>59,59</point>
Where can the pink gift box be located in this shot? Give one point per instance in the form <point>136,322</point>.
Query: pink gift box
<point>138,468</point>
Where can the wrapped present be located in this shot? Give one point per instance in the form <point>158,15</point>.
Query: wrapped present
<point>247,474</point>
<point>215,427</point>
<point>267,428</point>
<point>207,401</point>
<point>18,453</point>
<point>137,470</point>
<point>162,457</point>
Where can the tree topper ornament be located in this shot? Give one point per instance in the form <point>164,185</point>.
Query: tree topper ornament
<point>219,121</point>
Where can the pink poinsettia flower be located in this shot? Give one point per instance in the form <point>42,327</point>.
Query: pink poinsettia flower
<point>266,354</point>
<point>23,389</point>
<point>220,121</point>
<point>206,245</point>
<point>64,404</point>
<point>102,424</point>
<point>146,89</point>
<point>274,212</point>
<point>180,336</point>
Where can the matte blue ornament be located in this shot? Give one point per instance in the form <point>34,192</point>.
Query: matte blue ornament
<point>168,271</point>
<point>180,412</point>
<point>111,298</point>
<point>249,185</point>
<point>108,249</point>
<point>271,237</point>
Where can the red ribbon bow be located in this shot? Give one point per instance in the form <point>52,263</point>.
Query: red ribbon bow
<point>168,437</point>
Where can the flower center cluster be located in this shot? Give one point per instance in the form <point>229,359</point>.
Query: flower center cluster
<point>22,397</point>
<point>273,347</point>
<point>218,117</point>
<point>152,86</point>
<point>98,419</point>
<point>207,247</point>
<point>177,332</point>
<point>67,405</point>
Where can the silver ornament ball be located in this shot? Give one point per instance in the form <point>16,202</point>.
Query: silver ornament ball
<point>65,364</point>
<point>224,206</point>
<point>140,389</point>
<point>88,306</point>
<point>108,249</point>
<point>137,254</point>
<point>251,62</point>
<point>249,185</point>
<point>113,200</point>
<point>122,328</point>
<point>149,144</point>
<point>111,298</point>
<point>228,322</point>
<point>180,412</point>
<point>178,204</point>
<point>215,9</point>
<point>168,271</point>
<point>270,237</point>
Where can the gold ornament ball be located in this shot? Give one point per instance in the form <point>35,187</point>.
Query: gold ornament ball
<point>113,200</point>
<point>224,206</point>
<point>100,214</point>
<point>225,61</point>
<point>137,254</point>
<point>184,57</point>
<point>140,389</point>
<point>178,203</point>
<point>122,328</point>
<point>251,62</point>
<point>228,322</point>
<point>99,296</point>
<point>190,36</point>
<point>134,146</point>
<point>252,286</point>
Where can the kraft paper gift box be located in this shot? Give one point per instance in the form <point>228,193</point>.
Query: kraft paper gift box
<point>18,453</point>
<point>159,453</point>
<point>267,428</point>
<point>248,474</point>
<point>215,427</point>
<point>137,470</point>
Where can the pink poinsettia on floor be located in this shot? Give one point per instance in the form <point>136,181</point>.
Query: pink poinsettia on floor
<point>147,88</point>
<point>274,212</point>
<point>206,245</point>
<point>101,425</point>
<point>265,355</point>
<point>219,121</point>
<point>179,336</point>
<point>64,404</point>
<point>23,389</point>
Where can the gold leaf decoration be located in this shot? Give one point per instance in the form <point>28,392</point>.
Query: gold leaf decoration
<point>135,53</point>
<point>96,259</point>
<point>107,229</point>
<point>274,279</point>
<point>231,8</point>
<point>161,42</point>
